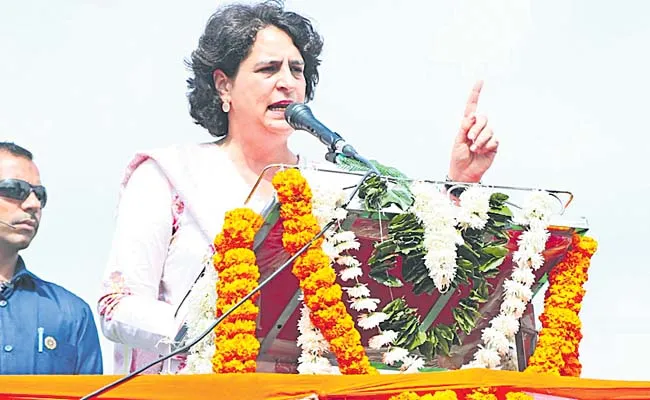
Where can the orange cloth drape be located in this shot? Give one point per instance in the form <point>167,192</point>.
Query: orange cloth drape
<point>282,386</point>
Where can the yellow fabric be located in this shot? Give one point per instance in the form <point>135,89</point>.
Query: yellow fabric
<point>282,386</point>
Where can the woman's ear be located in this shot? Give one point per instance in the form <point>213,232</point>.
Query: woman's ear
<point>222,84</point>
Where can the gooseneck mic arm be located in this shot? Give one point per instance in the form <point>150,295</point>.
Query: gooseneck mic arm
<point>300,117</point>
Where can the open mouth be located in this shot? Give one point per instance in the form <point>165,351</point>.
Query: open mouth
<point>280,105</point>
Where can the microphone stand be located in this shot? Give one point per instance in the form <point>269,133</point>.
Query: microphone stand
<point>334,153</point>
<point>259,287</point>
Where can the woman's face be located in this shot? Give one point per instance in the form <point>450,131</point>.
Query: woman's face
<point>268,80</point>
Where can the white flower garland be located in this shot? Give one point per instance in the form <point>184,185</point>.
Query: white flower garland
<point>443,222</point>
<point>326,201</point>
<point>498,337</point>
<point>201,305</point>
<point>325,205</point>
<point>473,208</point>
<point>314,346</point>
<point>438,216</point>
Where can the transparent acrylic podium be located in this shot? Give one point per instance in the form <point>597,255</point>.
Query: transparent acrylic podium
<point>280,300</point>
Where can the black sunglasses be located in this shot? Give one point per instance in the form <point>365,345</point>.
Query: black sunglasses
<point>20,190</point>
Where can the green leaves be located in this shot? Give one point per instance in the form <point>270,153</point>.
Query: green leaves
<point>466,315</point>
<point>378,192</point>
<point>478,259</point>
<point>406,322</point>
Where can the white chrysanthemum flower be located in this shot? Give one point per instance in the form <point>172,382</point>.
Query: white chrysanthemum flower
<point>310,364</point>
<point>488,357</point>
<point>201,314</point>
<point>516,290</point>
<point>538,224</point>
<point>443,275</point>
<point>394,354</point>
<point>528,259</point>
<point>372,320</point>
<point>313,342</point>
<point>424,192</point>
<point>357,291</point>
<point>533,240</point>
<point>348,261</point>
<point>497,340</point>
<point>411,364</point>
<point>340,214</point>
<point>330,249</point>
<point>365,303</point>
<point>438,217</point>
<point>474,207</point>
<point>539,205</point>
<point>196,363</point>
<point>514,307</point>
<point>345,246</point>
<point>467,219</point>
<point>507,324</point>
<point>383,339</point>
<point>344,236</point>
<point>442,241</point>
<point>523,275</point>
<point>311,339</point>
<point>350,273</point>
<point>327,197</point>
<point>304,322</point>
<point>473,364</point>
<point>536,261</point>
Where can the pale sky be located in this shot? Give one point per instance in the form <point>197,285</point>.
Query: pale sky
<point>86,84</point>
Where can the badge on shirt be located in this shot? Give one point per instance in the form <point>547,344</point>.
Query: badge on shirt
<point>50,343</point>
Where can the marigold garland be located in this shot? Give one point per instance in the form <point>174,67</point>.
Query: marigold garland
<point>236,346</point>
<point>557,349</point>
<point>476,394</point>
<point>317,278</point>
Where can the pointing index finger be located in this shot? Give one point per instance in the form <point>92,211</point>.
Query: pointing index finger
<point>472,101</point>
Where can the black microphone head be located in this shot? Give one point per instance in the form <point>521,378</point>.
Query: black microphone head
<point>298,116</point>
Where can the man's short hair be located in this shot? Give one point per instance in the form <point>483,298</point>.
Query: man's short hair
<point>16,150</point>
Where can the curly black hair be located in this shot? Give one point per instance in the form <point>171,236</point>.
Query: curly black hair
<point>227,40</point>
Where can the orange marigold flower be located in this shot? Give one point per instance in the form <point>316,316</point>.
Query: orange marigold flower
<point>587,245</point>
<point>233,257</point>
<point>233,291</point>
<point>291,186</point>
<point>312,261</point>
<point>291,210</point>
<point>241,347</point>
<point>345,324</point>
<point>322,278</point>
<point>241,271</point>
<point>247,311</point>
<point>315,273</point>
<point>325,318</point>
<point>405,396</point>
<point>231,329</point>
<point>481,394</point>
<point>303,223</point>
<point>293,242</point>
<point>518,396</point>
<point>559,339</point>
<point>325,297</point>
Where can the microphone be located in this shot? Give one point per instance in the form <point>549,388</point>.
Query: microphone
<point>7,224</point>
<point>300,117</point>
